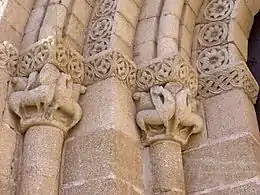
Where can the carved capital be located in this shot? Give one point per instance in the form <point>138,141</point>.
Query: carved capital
<point>110,64</point>
<point>167,113</point>
<point>53,51</point>
<point>161,71</point>
<point>47,85</point>
<point>165,99</point>
<point>238,76</point>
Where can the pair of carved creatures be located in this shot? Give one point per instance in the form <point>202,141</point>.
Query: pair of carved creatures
<point>168,111</point>
<point>50,88</point>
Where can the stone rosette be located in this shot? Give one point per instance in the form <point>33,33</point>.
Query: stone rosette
<point>9,57</point>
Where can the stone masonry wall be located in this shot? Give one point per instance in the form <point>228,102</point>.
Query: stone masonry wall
<point>110,54</point>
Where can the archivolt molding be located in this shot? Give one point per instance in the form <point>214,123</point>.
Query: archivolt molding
<point>216,56</point>
<point>110,63</point>
<point>239,76</point>
<point>101,27</point>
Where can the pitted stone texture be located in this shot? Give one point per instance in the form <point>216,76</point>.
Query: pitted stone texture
<point>107,104</point>
<point>15,15</point>
<point>229,114</point>
<point>100,154</point>
<point>201,138</point>
<point>6,187</point>
<point>146,31</point>
<point>102,186</point>
<point>221,163</point>
<point>246,188</point>
<point>167,168</point>
<point>41,163</point>
<point>7,149</point>
<point>4,79</point>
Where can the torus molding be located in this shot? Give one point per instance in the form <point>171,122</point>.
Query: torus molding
<point>238,76</point>
<point>215,51</point>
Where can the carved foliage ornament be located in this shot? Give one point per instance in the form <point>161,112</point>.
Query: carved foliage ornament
<point>54,51</point>
<point>212,37</point>
<point>213,34</point>
<point>238,76</point>
<point>101,26</point>
<point>213,59</point>
<point>218,9</point>
<point>161,71</point>
<point>110,64</point>
<point>8,57</point>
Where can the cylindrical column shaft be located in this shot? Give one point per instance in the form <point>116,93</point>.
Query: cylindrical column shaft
<point>167,168</point>
<point>41,160</point>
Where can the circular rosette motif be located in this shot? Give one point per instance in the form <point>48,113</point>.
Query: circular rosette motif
<point>76,69</point>
<point>163,71</point>
<point>192,83</point>
<point>89,73</point>
<point>145,78</point>
<point>218,9</point>
<point>103,67</point>
<point>184,71</point>
<point>122,68</point>
<point>42,54</point>
<point>213,34</point>
<point>61,56</point>
<point>105,8</point>
<point>131,79</point>
<point>101,28</point>
<point>97,46</point>
<point>8,57</point>
<point>212,59</point>
<point>26,64</point>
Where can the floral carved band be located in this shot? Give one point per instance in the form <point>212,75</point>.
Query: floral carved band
<point>162,71</point>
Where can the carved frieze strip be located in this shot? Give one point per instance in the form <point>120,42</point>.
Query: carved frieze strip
<point>110,63</point>
<point>54,51</point>
<point>216,10</point>
<point>238,76</point>
<point>215,59</point>
<point>9,56</point>
<point>101,26</point>
<point>161,71</point>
